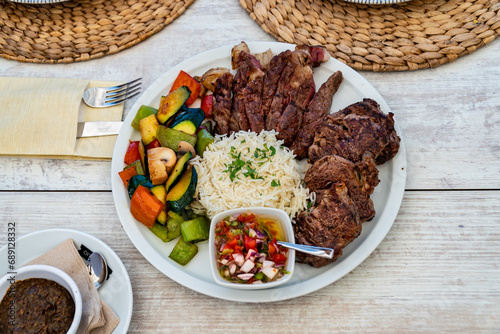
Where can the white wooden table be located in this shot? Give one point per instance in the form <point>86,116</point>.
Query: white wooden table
<point>438,269</point>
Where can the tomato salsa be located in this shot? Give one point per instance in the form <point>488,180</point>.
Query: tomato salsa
<point>247,251</point>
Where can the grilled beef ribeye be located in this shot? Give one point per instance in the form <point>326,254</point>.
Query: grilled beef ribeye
<point>355,130</point>
<point>333,222</point>
<point>359,178</point>
<point>222,103</point>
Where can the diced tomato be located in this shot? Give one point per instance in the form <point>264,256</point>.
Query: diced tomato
<point>272,247</point>
<point>250,243</point>
<point>155,143</point>
<point>132,153</point>
<point>231,244</point>
<point>184,79</point>
<point>279,258</point>
<point>243,218</point>
<point>238,249</point>
<point>207,104</point>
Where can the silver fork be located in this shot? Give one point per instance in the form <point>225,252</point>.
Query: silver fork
<point>101,97</point>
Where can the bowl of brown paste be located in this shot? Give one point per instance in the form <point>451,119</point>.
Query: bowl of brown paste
<point>39,299</point>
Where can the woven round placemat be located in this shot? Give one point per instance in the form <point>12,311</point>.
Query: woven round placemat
<point>400,37</point>
<point>80,30</point>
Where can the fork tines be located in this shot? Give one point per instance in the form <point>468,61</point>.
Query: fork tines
<point>121,93</point>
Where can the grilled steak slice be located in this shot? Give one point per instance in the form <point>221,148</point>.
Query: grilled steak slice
<point>222,103</point>
<point>370,108</point>
<point>318,108</point>
<point>295,90</point>
<point>272,77</point>
<point>252,95</point>
<point>334,222</point>
<point>360,179</point>
<point>246,112</point>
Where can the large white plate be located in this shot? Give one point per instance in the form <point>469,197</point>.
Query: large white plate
<point>196,274</point>
<point>116,292</point>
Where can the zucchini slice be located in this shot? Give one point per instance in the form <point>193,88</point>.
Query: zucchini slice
<point>182,193</point>
<point>188,120</point>
<point>179,169</point>
<point>171,103</point>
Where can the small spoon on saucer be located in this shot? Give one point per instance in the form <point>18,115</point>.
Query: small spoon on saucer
<point>312,250</point>
<point>98,269</point>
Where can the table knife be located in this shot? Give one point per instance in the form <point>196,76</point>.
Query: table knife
<point>98,128</point>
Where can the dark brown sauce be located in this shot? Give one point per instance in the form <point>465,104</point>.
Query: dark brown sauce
<point>36,305</point>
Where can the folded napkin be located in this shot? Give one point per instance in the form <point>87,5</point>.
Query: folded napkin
<point>97,317</point>
<point>39,117</point>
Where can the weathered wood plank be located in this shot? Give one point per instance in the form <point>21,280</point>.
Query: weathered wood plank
<point>436,271</point>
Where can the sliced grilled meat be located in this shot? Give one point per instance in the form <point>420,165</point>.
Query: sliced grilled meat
<point>318,108</point>
<point>246,112</point>
<point>295,90</point>
<point>333,222</point>
<point>272,77</point>
<point>222,103</point>
<point>360,179</point>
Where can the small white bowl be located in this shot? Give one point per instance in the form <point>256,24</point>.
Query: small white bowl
<point>50,273</point>
<point>286,226</point>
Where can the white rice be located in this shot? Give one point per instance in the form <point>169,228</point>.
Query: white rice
<point>278,183</point>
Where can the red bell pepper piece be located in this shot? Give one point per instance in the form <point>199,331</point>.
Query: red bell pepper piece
<point>132,153</point>
<point>207,104</point>
<point>127,174</point>
<point>155,143</point>
<point>184,79</point>
<point>145,207</point>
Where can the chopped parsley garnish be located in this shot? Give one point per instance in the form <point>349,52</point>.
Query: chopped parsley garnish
<point>238,164</point>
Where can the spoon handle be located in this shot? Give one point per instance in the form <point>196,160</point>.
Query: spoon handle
<point>313,250</point>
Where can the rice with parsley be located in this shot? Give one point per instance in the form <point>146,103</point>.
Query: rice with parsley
<point>247,169</point>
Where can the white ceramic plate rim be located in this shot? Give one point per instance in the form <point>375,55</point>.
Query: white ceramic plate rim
<point>32,245</point>
<point>197,275</point>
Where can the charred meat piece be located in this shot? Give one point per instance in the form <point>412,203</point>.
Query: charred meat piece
<point>296,88</point>
<point>360,179</point>
<point>272,77</point>
<point>222,103</point>
<point>318,108</point>
<point>370,108</point>
<point>247,100</point>
<point>333,222</point>
<point>318,53</point>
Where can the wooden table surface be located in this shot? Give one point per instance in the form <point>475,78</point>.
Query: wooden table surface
<point>437,270</point>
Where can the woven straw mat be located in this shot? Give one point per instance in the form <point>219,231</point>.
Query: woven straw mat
<point>80,30</point>
<point>400,37</point>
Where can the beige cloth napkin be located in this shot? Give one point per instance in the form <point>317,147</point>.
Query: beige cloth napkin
<point>39,116</point>
<point>97,317</point>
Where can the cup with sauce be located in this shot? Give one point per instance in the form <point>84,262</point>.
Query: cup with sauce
<point>38,288</point>
<point>243,250</point>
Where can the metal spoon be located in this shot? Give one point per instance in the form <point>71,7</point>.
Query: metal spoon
<point>313,250</point>
<point>98,269</point>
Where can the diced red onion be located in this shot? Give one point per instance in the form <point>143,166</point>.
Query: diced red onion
<point>268,264</point>
<point>259,243</point>
<point>251,255</point>
<point>259,234</point>
<point>270,272</point>
<point>238,258</point>
<point>247,266</point>
<point>245,277</point>
<point>232,268</point>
